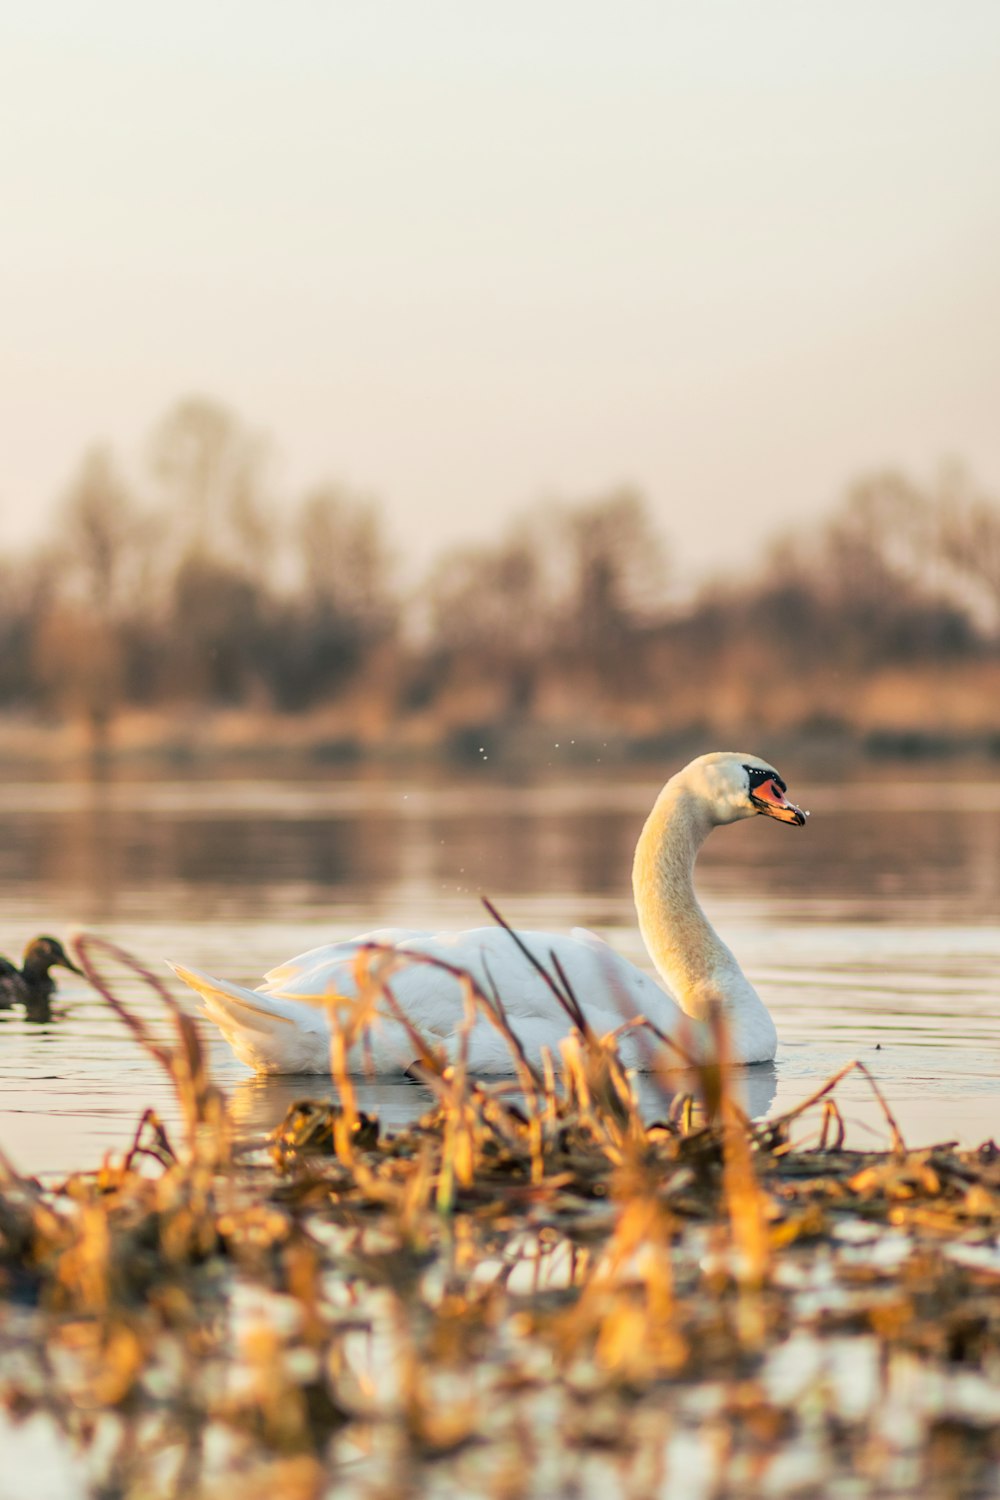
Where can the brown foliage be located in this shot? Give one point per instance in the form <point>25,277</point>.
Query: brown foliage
<point>198,583</point>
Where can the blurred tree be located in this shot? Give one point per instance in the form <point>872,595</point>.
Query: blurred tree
<point>212,470</point>
<point>25,591</point>
<point>219,550</point>
<point>969,537</point>
<point>880,537</point>
<point>345,561</point>
<point>347,610</point>
<point>97,568</point>
<point>618,564</point>
<point>867,589</point>
<point>490,614</point>
<point>220,597</point>
<point>569,590</point>
<point>218,631</point>
<point>880,573</point>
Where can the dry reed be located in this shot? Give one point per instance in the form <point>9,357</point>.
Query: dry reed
<point>532,1290</point>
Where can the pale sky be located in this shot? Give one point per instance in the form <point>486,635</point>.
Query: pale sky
<point>463,255</point>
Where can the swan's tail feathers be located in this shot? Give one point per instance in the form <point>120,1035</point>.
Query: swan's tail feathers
<point>246,1007</point>
<point>269,1033</point>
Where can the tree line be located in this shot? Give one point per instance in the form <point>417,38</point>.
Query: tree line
<point>198,584</point>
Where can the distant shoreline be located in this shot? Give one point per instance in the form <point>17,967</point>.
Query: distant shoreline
<point>196,740</point>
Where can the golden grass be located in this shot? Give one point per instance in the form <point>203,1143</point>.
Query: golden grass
<point>532,1291</point>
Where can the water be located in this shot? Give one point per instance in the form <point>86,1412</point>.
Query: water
<point>871,933</point>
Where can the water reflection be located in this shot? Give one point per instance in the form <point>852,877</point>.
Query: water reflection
<point>259,1104</point>
<point>104,845</point>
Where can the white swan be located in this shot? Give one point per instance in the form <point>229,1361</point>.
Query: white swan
<point>284,1026</point>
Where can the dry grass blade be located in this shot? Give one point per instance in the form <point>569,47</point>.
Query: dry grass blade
<point>494,1013</point>
<point>566,998</point>
<point>896,1135</point>
<point>157,1146</point>
<point>780,1122</point>
<point>831,1115</point>
<point>201,1102</point>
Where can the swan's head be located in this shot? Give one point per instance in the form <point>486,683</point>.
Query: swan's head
<point>732,785</point>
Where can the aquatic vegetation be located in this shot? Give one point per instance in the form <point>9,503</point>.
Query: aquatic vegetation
<point>533,1290</point>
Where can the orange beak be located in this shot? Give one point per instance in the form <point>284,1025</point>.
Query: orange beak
<point>770,799</point>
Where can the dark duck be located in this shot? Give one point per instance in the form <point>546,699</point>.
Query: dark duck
<point>32,985</point>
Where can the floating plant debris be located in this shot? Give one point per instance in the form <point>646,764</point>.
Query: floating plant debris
<point>529,1294</point>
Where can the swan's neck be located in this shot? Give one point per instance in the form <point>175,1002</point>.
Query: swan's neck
<point>688,953</point>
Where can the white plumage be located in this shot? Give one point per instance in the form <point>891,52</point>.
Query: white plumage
<point>284,1026</point>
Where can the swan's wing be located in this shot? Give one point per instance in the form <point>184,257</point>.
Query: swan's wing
<point>589,939</point>
<point>608,987</point>
<point>496,962</point>
<point>313,972</point>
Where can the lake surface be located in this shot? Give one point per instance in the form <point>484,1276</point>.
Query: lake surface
<point>870,933</point>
